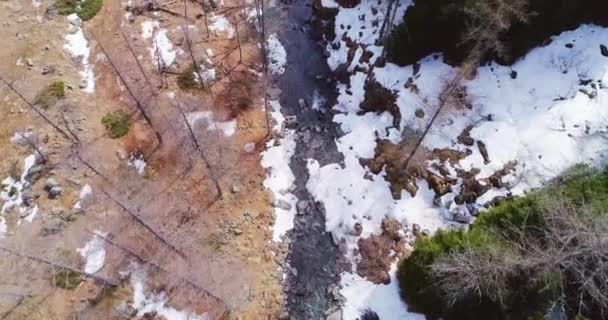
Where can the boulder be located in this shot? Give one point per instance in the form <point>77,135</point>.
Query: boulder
<point>604,50</point>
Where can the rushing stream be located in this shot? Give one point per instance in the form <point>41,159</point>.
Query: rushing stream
<point>307,94</point>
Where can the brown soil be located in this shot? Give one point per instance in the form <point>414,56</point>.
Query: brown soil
<point>218,254</point>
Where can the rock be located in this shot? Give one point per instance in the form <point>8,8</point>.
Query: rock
<point>336,315</point>
<point>306,136</point>
<point>392,229</point>
<point>57,211</point>
<point>235,189</point>
<point>438,184</point>
<point>55,192</point>
<point>302,103</point>
<point>121,155</point>
<point>48,70</point>
<point>604,50</point>
<point>282,204</point>
<point>357,230</point>
<point>50,183</point>
<point>74,20</point>
<point>237,231</point>
<point>30,62</point>
<point>461,218</point>
<point>249,147</point>
<point>302,206</point>
<point>465,137</point>
<point>284,315</point>
<point>34,173</point>
<point>291,121</point>
<point>415,229</point>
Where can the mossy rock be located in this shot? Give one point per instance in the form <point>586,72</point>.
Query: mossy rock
<point>116,123</point>
<point>50,94</point>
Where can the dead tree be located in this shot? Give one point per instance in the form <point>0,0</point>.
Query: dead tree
<point>46,119</point>
<point>34,146</point>
<point>137,102</point>
<point>141,69</point>
<point>142,223</point>
<point>201,152</point>
<point>104,280</point>
<point>238,38</point>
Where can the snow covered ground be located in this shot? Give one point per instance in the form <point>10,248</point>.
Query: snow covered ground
<point>546,113</point>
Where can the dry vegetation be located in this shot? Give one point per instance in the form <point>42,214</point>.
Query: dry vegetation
<point>165,220</point>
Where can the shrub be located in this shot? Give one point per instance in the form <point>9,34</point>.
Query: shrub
<point>116,123</point>
<point>444,26</point>
<point>67,279</point>
<point>50,94</point>
<point>513,262</point>
<point>186,79</point>
<point>66,7</point>
<point>89,9</point>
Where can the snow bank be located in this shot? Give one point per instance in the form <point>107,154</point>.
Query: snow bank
<point>78,47</point>
<point>277,56</point>
<point>228,128</point>
<point>280,179</point>
<point>148,303</point>
<point>94,253</point>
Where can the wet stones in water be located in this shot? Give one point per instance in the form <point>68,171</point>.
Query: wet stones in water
<point>302,207</point>
<point>604,50</point>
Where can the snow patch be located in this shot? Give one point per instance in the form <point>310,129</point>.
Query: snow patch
<point>11,193</point>
<point>94,253</point>
<point>138,163</point>
<point>149,303</point>
<point>228,128</point>
<point>78,47</point>
<point>221,24</point>
<point>277,56</point>
<point>162,49</point>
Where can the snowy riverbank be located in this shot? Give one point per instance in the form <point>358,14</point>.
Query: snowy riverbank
<point>519,127</point>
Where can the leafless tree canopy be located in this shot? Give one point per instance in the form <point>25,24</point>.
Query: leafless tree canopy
<point>572,243</point>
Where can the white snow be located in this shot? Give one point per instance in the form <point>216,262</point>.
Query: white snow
<point>220,24</point>
<point>138,163</point>
<point>228,128</point>
<point>21,137</point>
<point>11,193</point>
<point>78,47</point>
<point>280,179</point>
<point>148,303</point>
<point>94,253</point>
<point>161,47</point>
<point>362,295</point>
<point>277,56</point>
<point>84,196</point>
<point>542,119</point>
